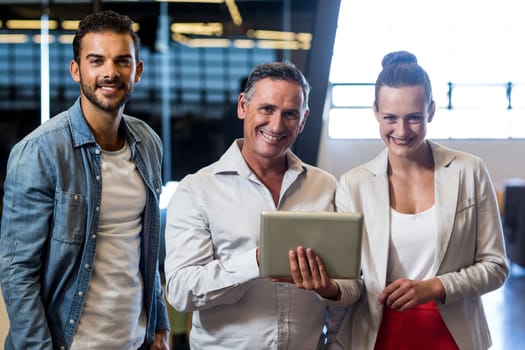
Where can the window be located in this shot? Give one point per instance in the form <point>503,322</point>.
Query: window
<point>471,49</point>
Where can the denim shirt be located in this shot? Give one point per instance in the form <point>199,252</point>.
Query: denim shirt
<point>49,228</point>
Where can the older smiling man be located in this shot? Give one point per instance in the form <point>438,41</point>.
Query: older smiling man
<point>212,261</point>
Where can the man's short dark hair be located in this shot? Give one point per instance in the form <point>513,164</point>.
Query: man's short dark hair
<point>104,21</point>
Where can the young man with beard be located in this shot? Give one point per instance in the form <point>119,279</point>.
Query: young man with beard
<point>80,226</point>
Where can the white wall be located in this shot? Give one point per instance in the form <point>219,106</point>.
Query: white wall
<point>504,158</point>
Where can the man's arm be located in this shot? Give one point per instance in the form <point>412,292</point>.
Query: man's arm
<point>195,278</point>
<point>27,212</point>
<point>163,323</point>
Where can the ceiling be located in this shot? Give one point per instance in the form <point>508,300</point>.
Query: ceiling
<point>278,15</point>
<point>316,18</point>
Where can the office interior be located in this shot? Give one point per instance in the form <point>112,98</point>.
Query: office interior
<point>197,55</point>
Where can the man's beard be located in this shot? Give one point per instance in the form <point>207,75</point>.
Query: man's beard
<point>90,93</point>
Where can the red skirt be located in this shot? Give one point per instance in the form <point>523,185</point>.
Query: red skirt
<point>418,328</point>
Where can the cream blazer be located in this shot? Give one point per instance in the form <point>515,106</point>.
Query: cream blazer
<point>470,254</point>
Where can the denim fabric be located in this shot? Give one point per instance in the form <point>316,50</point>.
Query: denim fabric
<point>49,228</point>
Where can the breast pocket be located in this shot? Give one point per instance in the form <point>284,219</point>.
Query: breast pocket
<point>464,204</point>
<point>69,220</point>
<point>464,222</point>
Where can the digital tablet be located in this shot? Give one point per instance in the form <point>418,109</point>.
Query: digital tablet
<point>335,237</point>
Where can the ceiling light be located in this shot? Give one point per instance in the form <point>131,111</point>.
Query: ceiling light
<point>197,28</point>
<point>270,34</point>
<point>244,43</point>
<point>181,38</point>
<point>230,4</point>
<point>29,24</point>
<point>277,44</point>
<point>185,40</point>
<point>37,38</point>
<point>13,38</point>
<point>66,38</point>
<point>279,35</point>
<point>195,1</point>
<point>304,37</point>
<point>234,12</point>
<point>70,24</point>
<point>282,45</point>
<point>208,43</point>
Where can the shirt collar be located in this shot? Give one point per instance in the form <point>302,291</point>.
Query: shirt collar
<point>81,133</point>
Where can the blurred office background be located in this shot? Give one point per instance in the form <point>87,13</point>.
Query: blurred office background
<point>198,53</point>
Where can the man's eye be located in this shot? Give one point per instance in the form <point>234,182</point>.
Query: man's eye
<point>291,115</point>
<point>124,62</point>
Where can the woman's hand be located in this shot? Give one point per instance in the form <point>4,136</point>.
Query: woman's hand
<point>404,294</point>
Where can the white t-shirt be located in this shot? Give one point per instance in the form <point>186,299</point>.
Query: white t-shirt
<point>413,239</point>
<point>114,316</point>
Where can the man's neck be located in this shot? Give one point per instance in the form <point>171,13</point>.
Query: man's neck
<point>270,172</point>
<point>105,127</point>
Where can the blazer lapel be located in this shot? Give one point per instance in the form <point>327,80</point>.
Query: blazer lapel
<point>377,207</point>
<point>446,194</point>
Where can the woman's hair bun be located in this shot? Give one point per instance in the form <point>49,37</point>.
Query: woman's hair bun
<point>398,57</point>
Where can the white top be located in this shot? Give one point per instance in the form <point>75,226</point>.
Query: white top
<point>113,316</point>
<point>413,240</point>
<point>212,232</point>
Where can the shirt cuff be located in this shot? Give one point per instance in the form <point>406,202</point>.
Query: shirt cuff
<point>349,292</point>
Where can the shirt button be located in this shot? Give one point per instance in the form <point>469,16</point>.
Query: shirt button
<point>86,266</point>
<point>157,190</point>
<point>71,321</point>
<point>75,197</point>
<point>97,177</point>
<point>97,151</point>
<point>62,347</point>
<point>81,293</point>
<point>97,208</point>
<point>93,236</point>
